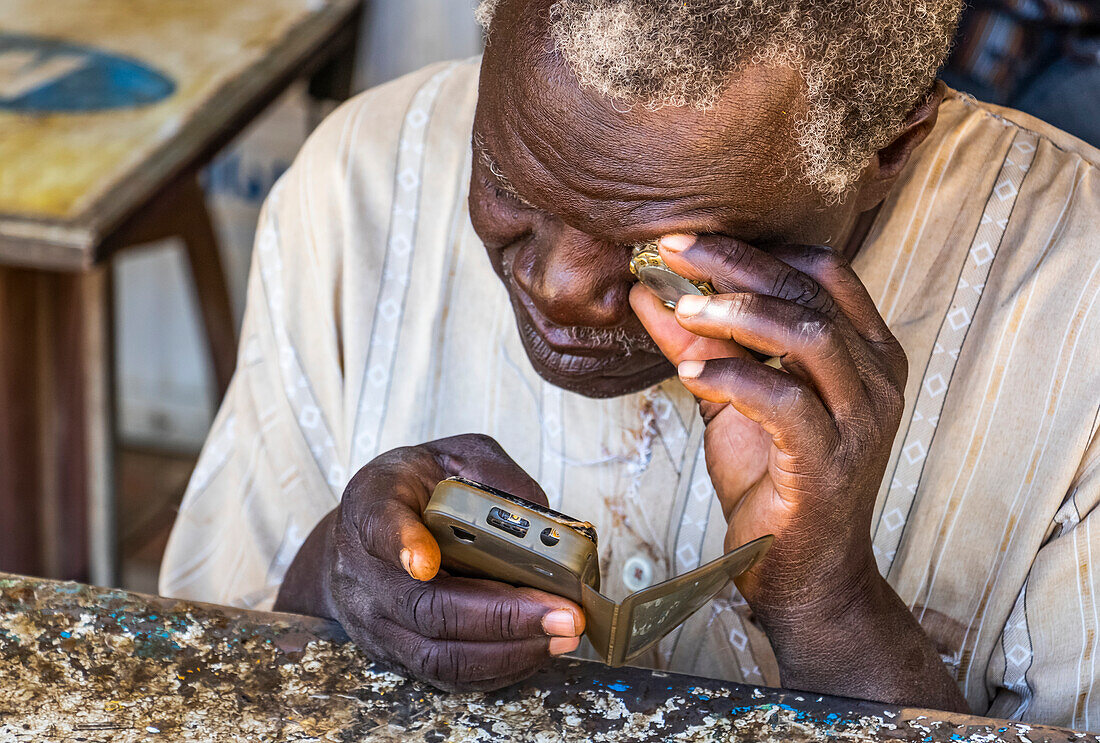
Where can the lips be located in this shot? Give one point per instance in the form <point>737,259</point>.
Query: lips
<point>577,352</point>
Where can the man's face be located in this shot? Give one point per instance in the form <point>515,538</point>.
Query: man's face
<point>564,183</point>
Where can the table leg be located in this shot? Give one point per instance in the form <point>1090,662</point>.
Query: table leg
<point>57,432</point>
<point>97,303</point>
<point>211,287</point>
<point>19,539</point>
<point>335,79</point>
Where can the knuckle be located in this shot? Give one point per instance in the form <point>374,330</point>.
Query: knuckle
<point>732,256</point>
<point>827,260</point>
<point>429,660</point>
<point>817,335</point>
<point>507,617</point>
<point>790,401</point>
<point>421,606</point>
<point>481,440</point>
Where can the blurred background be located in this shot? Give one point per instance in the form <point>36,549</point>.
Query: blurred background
<point>166,387</point>
<point>119,301</point>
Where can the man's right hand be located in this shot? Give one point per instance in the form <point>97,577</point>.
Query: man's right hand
<point>372,565</point>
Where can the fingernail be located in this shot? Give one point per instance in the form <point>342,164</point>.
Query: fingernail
<point>691,304</point>
<point>690,369</point>
<point>677,243</point>
<point>560,623</point>
<point>406,560</point>
<point>562,645</point>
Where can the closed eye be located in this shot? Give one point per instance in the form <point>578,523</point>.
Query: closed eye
<point>505,193</point>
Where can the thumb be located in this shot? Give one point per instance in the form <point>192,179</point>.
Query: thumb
<point>419,553</point>
<point>676,343</point>
<point>394,533</point>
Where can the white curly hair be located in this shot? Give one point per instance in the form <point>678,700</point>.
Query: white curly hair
<point>866,63</point>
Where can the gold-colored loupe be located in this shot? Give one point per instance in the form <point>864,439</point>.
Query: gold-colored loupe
<point>646,263</point>
<point>669,286</point>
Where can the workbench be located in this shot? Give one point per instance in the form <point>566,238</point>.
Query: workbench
<point>86,664</point>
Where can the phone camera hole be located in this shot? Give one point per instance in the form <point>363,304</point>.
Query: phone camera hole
<point>462,535</point>
<point>549,537</point>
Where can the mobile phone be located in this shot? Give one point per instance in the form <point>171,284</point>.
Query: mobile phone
<point>487,533</point>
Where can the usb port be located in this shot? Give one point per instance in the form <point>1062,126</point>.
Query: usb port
<point>508,522</point>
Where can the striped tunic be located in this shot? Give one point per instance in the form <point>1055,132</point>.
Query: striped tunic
<point>374,321</point>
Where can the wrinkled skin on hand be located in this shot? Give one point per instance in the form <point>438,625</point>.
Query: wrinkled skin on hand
<point>373,566</point>
<point>799,452</point>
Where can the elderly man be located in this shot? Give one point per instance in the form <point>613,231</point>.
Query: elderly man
<point>926,267</point>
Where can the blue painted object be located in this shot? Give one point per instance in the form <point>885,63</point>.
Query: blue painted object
<point>57,77</point>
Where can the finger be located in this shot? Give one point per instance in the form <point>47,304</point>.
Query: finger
<point>393,532</point>
<point>833,271</point>
<point>782,404</point>
<point>480,610</point>
<point>676,343</point>
<point>453,665</point>
<point>461,663</point>
<point>732,266</point>
<point>810,345</point>
<point>481,459</point>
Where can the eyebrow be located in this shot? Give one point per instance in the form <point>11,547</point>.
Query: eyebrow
<point>502,180</point>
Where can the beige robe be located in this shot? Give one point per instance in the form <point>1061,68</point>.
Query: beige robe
<point>375,321</point>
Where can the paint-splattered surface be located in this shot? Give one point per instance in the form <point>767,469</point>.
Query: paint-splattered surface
<point>86,664</point>
<point>90,89</point>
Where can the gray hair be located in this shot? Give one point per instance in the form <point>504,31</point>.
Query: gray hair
<point>866,63</point>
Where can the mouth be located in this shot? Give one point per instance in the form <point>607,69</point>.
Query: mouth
<point>580,351</point>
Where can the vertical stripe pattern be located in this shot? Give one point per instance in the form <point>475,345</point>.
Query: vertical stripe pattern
<point>374,320</point>
<point>921,428</point>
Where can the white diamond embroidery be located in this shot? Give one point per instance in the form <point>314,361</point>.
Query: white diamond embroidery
<point>417,118</point>
<point>894,519</point>
<point>377,376</point>
<point>982,254</point>
<point>935,386</point>
<point>959,318</point>
<point>310,417</point>
<point>389,309</point>
<point>687,555</point>
<point>401,246</point>
<point>1005,190</point>
<point>914,452</point>
<point>1018,655</point>
<point>408,180</point>
<point>738,639</point>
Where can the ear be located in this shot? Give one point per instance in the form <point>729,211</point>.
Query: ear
<point>889,162</point>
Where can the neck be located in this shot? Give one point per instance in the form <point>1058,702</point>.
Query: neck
<point>858,233</point>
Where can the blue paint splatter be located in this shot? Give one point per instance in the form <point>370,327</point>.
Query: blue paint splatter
<point>618,686</point>
<point>86,80</point>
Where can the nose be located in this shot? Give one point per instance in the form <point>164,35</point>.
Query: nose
<point>574,279</point>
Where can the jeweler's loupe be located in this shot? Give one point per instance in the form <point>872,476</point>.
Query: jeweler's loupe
<point>669,286</point>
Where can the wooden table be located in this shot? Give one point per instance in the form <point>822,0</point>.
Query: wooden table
<point>108,109</point>
<point>81,663</point>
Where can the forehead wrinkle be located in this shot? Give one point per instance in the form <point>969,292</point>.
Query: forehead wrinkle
<point>621,182</point>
